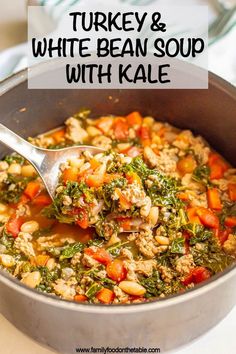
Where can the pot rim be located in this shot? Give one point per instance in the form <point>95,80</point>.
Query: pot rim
<point>201,289</point>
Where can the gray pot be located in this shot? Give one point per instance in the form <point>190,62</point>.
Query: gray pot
<point>167,323</point>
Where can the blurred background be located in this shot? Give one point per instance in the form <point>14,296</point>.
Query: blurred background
<point>13,30</point>
<point>13,25</point>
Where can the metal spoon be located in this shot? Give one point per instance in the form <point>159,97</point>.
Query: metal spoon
<point>46,162</point>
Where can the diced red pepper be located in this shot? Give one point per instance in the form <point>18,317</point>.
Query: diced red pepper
<point>230,221</point>
<point>70,175</point>
<point>125,223</point>
<point>196,276</point>
<point>106,296</point>
<point>200,274</point>
<point>207,217</point>
<point>121,129</point>
<point>95,180</point>
<point>116,270</point>
<point>82,220</point>
<point>217,166</point>
<point>100,255</point>
<point>80,298</point>
<point>13,226</point>
<point>58,135</point>
<point>192,216</point>
<point>232,191</point>
<point>42,200</point>
<point>24,199</point>
<point>32,189</point>
<point>213,198</point>
<point>222,235</point>
<point>134,119</point>
<point>145,135</point>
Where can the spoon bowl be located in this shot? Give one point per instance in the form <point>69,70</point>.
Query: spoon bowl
<point>46,162</point>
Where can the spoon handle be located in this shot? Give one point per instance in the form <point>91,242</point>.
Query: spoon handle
<point>21,146</point>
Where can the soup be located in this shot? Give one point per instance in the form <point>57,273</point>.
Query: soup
<point>154,215</point>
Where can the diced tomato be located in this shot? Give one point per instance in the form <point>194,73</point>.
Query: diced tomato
<point>145,135</point>
<point>58,135</point>
<point>70,175</point>
<point>80,298</point>
<point>207,217</point>
<point>216,171</point>
<point>133,177</point>
<point>32,189</point>
<point>213,198</point>
<point>134,151</point>
<point>42,200</point>
<point>121,129</point>
<point>106,296</point>
<point>116,270</point>
<point>196,276</point>
<point>217,166</point>
<point>187,164</point>
<point>232,191</point>
<point>100,255</point>
<point>188,279</point>
<point>200,274</point>
<point>230,221</point>
<point>24,199</point>
<point>134,119</point>
<point>82,220</point>
<point>13,225</point>
<point>125,204</point>
<point>125,223</point>
<point>222,235</point>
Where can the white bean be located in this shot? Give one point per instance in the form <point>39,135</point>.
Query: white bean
<point>162,240</point>
<point>7,260</point>
<point>32,279</point>
<point>29,226</point>
<point>92,131</point>
<point>28,171</point>
<point>132,288</point>
<point>153,216</point>
<point>15,168</point>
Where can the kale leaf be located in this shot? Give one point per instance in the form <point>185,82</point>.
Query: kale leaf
<point>201,174</point>
<point>70,250</point>
<point>177,245</point>
<point>13,187</point>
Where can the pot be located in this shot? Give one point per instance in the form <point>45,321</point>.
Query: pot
<point>167,323</point>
